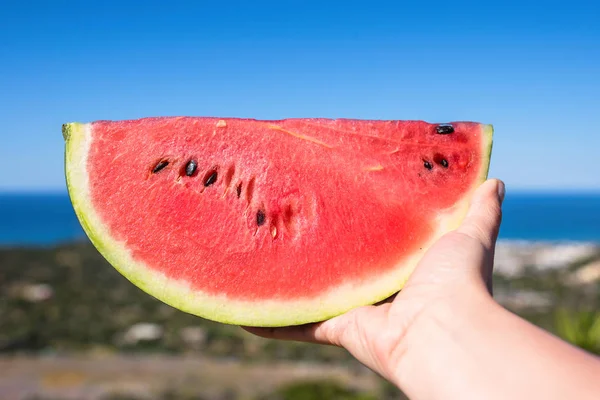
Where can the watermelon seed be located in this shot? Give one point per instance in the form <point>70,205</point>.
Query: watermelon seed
<point>444,129</point>
<point>238,189</point>
<point>190,167</point>
<point>260,218</point>
<point>439,159</point>
<point>160,166</point>
<point>427,165</point>
<point>210,178</point>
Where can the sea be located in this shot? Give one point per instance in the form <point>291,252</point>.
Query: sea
<point>48,219</point>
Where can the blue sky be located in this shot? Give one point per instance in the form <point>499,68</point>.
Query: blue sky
<point>532,70</point>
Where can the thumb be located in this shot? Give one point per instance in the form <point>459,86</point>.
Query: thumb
<point>469,250</point>
<point>482,221</point>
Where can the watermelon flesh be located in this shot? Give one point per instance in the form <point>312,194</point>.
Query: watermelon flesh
<point>271,223</point>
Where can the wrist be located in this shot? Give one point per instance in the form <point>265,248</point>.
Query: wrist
<point>432,346</point>
<point>471,347</point>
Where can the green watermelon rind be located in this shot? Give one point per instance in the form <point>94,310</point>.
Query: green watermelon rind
<point>264,313</point>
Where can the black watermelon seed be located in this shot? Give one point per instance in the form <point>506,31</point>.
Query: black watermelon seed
<point>260,218</point>
<point>160,166</point>
<point>444,163</point>
<point>427,165</point>
<point>444,129</point>
<point>238,190</point>
<point>190,167</point>
<point>210,179</point>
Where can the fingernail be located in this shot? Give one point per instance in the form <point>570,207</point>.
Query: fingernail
<point>501,191</point>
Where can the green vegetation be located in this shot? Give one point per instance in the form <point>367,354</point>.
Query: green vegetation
<point>70,299</point>
<point>581,328</point>
<point>549,298</point>
<point>316,391</point>
<point>67,301</point>
<point>302,390</point>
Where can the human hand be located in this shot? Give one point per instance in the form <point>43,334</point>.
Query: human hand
<point>455,273</point>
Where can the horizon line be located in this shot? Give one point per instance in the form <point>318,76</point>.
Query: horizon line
<point>515,190</point>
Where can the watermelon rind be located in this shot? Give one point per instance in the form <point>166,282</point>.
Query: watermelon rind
<point>263,313</point>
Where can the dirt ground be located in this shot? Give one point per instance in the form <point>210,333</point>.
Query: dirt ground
<point>98,377</point>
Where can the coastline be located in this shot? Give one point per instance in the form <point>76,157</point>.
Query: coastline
<point>513,256</point>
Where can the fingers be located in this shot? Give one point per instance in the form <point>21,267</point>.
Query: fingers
<point>482,221</point>
<point>336,331</point>
<point>302,333</point>
<point>320,332</point>
<point>363,332</point>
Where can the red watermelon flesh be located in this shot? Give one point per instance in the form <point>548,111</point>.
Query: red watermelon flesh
<point>271,223</point>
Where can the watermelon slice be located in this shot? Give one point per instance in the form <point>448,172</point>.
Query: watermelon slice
<point>271,223</point>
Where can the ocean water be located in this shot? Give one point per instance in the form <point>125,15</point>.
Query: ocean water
<point>48,219</point>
